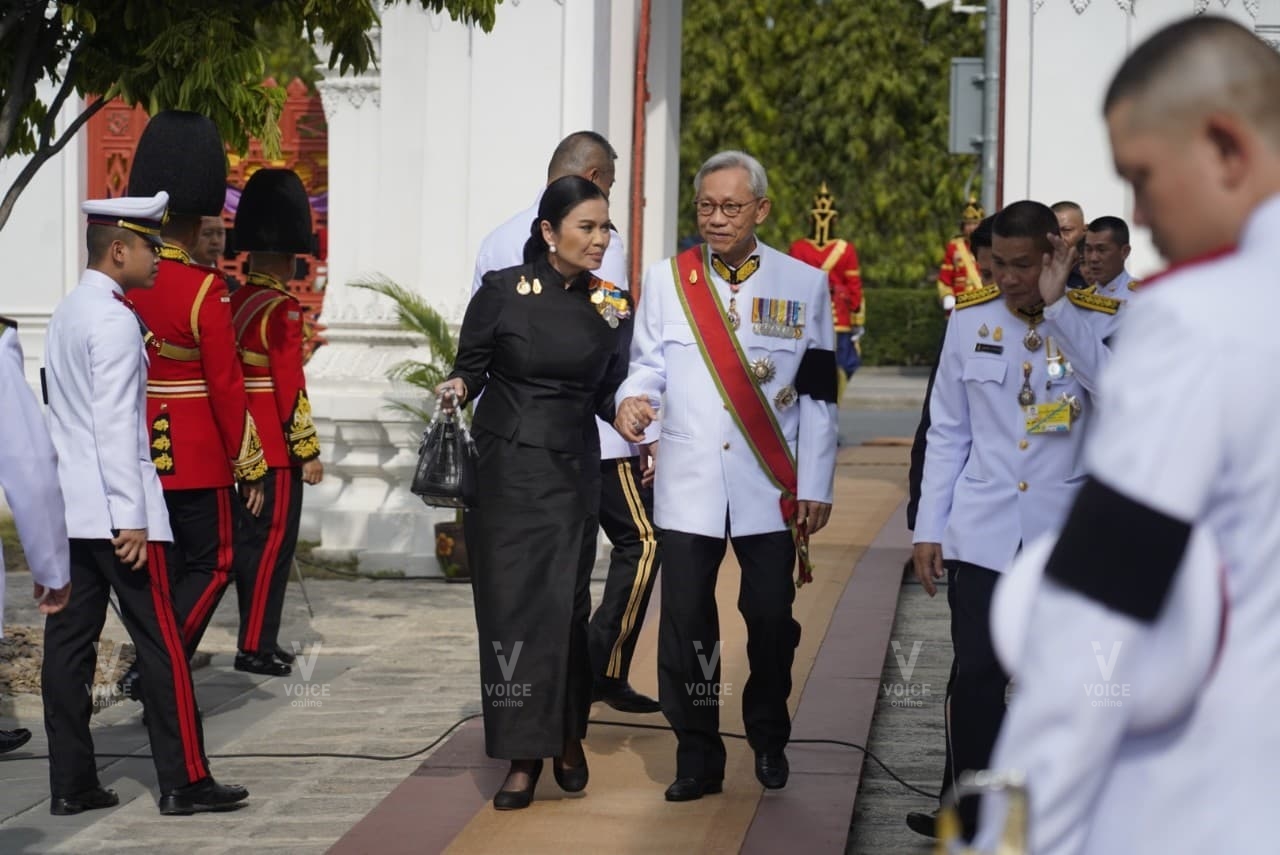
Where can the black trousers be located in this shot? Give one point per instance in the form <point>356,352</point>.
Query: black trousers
<point>71,654</point>
<point>203,523</point>
<point>689,644</point>
<point>979,682</point>
<point>626,515</point>
<point>264,550</point>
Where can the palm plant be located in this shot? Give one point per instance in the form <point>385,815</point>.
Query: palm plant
<point>416,316</point>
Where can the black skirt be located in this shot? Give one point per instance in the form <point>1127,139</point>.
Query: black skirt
<point>532,542</point>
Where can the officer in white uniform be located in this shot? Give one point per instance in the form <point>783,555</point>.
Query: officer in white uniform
<point>1011,402</point>
<point>117,524</point>
<point>626,502</point>
<point>29,478</point>
<point>1175,450</point>
<point>709,483</point>
<point>1106,248</point>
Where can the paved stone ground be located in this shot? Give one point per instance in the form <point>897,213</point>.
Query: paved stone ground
<point>907,732</point>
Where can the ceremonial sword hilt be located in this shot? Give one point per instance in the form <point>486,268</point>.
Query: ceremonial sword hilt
<point>1014,838</point>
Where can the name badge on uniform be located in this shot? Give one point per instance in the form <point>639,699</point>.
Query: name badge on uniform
<point>777,318</point>
<point>1050,417</point>
<point>989,348</point>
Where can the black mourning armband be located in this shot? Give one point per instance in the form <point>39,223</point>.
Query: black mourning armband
<point>816,376</point>
<point>1119,552</point>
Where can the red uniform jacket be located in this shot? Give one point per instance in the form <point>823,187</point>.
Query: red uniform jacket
<point>202,435</point>
<point>268,328</point>
<point>840,260</point>
<point>959,272</point>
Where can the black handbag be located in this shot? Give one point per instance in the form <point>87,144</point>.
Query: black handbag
<point>446,473</point>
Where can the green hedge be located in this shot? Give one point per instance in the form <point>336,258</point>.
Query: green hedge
<point>904,326</point>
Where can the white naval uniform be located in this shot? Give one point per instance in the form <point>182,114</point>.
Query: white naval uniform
<point>1197,446</point>
<point>705,464</point>
<point>96,371</point>
<point>504,247</point>
<point>1118,288</point>
<point>29,475</point>
<point>989,486</point>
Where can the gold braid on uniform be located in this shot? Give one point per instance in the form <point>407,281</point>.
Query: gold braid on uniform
<point>162,445</point>
<point>1096,302</point>
<point>169,252</point>
<point>977,297</point>
<point>251,463</point>
<point>300,431</point>
<point>266,280</point>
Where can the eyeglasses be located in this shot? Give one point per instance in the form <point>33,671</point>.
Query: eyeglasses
<point>705,207</point>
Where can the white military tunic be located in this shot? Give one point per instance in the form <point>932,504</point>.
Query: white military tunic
<point>989,485</point>
<point>705,465</point>
<point>29,475</point>
<point>97,379</point>
<point>504,247</point>
<point>1196,445</point>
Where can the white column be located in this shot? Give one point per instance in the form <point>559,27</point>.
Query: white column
<point>663,172</point>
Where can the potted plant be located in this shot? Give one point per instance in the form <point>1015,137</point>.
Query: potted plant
<point>416,316</point>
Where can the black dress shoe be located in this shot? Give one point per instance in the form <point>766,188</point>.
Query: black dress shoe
<point>201,797</point>
<point>772,769</point>
<point>692,789</point>
<point>922,823</point>
<point>94,799</point>
<point>261,663</point>
<point>283,655</point>
<point>519,799</point>
<point>12,740</point>
<point>130,684</point>
<point>572,779</point>
<point>619,695</point>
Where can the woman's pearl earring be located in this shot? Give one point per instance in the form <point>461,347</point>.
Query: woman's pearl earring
<point>552,247</point>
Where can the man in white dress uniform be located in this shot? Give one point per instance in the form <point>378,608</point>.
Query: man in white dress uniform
<point>1195,128</point>
<point>736,339</point>
<point>117,524</point>
<point>29,478</point>
<point>1011,402</point>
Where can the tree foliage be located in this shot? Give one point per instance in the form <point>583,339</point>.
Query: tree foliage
<point>843,91</point>
<point>202,55</point>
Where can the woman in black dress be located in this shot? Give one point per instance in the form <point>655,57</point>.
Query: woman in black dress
<point>547,343</point>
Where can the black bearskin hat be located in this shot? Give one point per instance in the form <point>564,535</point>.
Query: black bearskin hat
<point>274,214</point>
<point>182,154</point>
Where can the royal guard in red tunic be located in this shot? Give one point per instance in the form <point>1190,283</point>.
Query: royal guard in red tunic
<point>203,439</point>
<point>273,224</point>
<point>959,272</point>
<point>839,260</point>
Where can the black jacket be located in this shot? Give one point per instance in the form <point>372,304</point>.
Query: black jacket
<point>547,362</point>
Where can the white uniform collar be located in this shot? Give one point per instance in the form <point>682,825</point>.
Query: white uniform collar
<point>97,279</point>
<point>1262,224</point>
<point>1119,284</point>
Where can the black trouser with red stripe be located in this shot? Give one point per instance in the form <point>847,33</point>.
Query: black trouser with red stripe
<point>626,515</point>
<point>203,523</point>
<point>264,548</point>
<point>70,656</point>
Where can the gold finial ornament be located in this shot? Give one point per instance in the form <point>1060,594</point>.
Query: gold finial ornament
<point>973,212</point>
<point>823,212</point>
<point>1014,837</point>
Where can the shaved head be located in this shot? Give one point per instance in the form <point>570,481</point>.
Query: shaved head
<point>1195,129</point>
<point>587,154</point>
<point>1196,66</point>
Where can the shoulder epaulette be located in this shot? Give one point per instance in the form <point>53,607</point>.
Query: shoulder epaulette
<point>1096,302</point>
<point>974,298</point>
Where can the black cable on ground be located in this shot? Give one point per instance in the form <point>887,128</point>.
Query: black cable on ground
<point>347,574</point>
<point>309,755</point>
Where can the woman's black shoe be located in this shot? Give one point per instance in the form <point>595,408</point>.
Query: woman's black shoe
<point>518,799</point>
<point>572,779</point>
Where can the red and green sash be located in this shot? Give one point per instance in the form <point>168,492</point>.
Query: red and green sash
<point>741,394</point>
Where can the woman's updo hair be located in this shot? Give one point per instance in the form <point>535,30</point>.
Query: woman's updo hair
<point>561,197</point>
